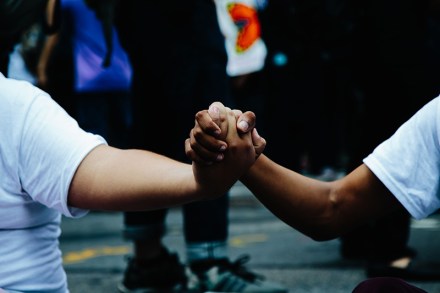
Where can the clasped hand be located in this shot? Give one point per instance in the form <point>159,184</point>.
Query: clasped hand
<point>223,145</point>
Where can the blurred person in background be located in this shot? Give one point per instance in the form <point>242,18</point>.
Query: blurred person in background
<point>241,27</point>
<point>179,64</point>
<point>16,19</point>
<point>100,92</point>
<point>23,59</point>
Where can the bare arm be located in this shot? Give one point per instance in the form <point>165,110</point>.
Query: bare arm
<point>321,210</point>
<point>50,12</point>
<point>113,179</point>
<point>48,48</point>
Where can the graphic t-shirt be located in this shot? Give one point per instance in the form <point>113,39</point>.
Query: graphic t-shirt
<point>240,25</point>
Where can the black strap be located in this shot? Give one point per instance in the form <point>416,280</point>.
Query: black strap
<point>105,11</point>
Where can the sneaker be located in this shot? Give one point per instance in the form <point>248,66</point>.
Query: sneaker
<point>225,276</point>
<point>164,274</point>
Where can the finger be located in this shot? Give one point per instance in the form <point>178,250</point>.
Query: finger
<point>232,124</point>
<point>206,123</point>
<point>192,155</point>
<point>214,111</point>
<point>258,142</point>
<point>233,134</point>
<point>246,122</point>
<point>218,113</point>
<point>237,113</point>
<point>206,147</point>
<point>236,141</point>
<point>212,143</point>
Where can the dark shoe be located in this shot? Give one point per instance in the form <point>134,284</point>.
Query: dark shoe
<point>415,271</point>
<point>164,274</point>
<point>361,252</point>
<point>225,276</point>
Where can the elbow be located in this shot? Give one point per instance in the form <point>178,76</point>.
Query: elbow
<point>328,225</point>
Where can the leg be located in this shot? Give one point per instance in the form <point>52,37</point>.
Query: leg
<point>187,74</point>
<point>152,268</point>
<point>207,241</point>
<point>206,223</point>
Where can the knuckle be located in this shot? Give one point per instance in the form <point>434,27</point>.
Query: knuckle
<point>233,146</point>
<point>199,114</point>
<point>197,133</point>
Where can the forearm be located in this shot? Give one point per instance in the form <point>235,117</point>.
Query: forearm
<point>321,210</point>
<point>295,199</point>
<point>129,180</point>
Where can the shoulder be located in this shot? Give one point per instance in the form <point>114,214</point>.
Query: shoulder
<point>21,101</point>
<point>15,94</point>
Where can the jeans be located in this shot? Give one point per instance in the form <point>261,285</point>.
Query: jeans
<point>181,65</point>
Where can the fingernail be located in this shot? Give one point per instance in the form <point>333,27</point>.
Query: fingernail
<point>243,125</point>
<point>223,147</point>
<point>213,110</point>
<point>220,157</point>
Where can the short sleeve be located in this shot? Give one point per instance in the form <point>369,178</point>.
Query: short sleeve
<point>51,149</point>
<point>408,163</point>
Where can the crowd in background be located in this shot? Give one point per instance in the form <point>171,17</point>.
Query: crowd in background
<point>328,63</point>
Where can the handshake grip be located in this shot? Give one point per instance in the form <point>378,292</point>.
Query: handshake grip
<point>241,125</point>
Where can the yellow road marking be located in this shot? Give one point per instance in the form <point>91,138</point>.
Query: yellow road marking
<point>88,253</point>
<point>243,240</point>
<point>85,254</point>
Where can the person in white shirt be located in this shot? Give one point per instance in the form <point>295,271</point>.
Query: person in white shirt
<point>50,167</point>
<point>403,173</point>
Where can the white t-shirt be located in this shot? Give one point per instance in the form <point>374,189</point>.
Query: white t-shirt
<point>408,163</point>
<point>41,147</point>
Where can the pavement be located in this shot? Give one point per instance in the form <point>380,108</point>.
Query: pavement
<point>95,253</point>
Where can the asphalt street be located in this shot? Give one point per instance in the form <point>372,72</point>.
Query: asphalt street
<point>95,253</point>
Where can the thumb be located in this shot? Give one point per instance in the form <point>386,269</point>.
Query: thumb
<point>246,122</point>
<point>218,113</point>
